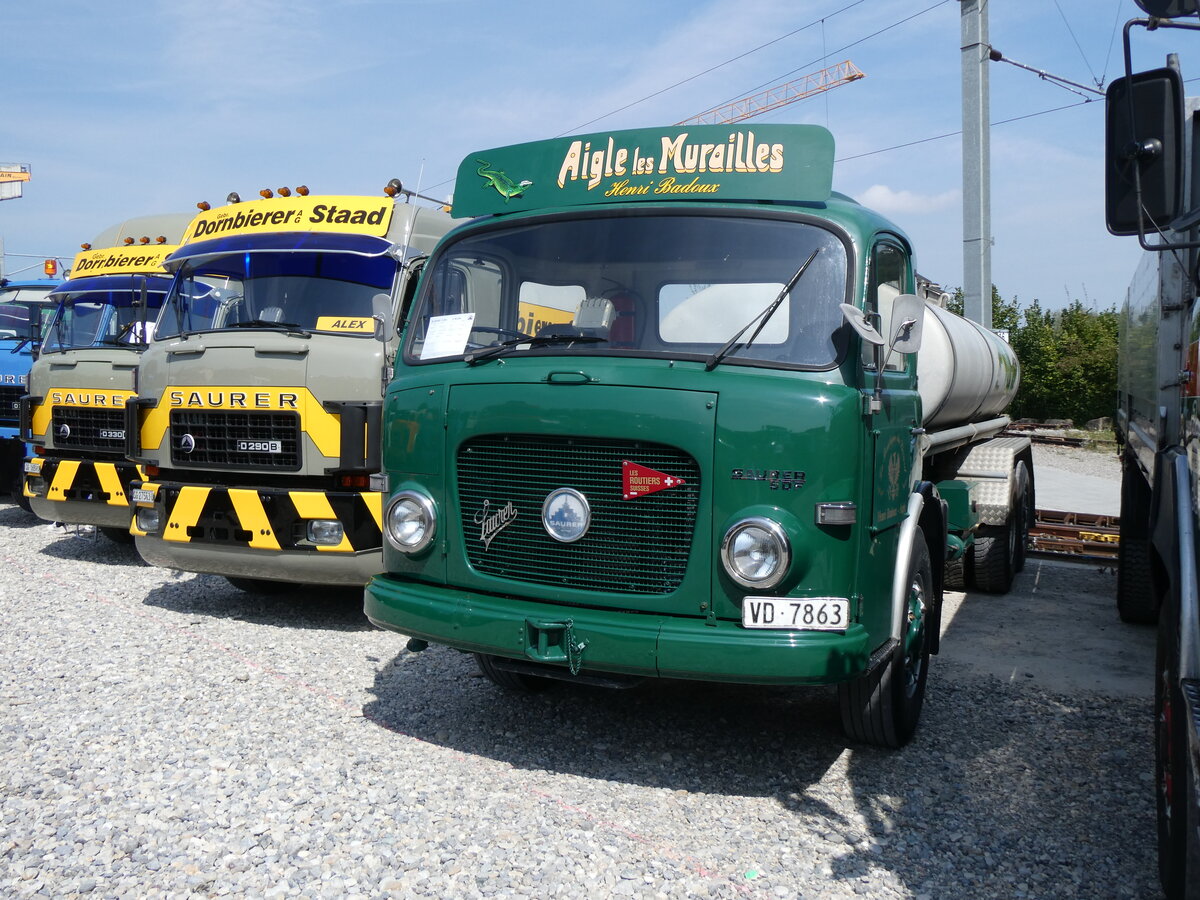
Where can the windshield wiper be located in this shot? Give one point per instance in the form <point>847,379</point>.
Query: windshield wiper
<point>545,341</point>
<point>764,316</point>
<point>289,327</point>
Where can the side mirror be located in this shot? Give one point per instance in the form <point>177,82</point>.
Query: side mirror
<point>381,312</point>
<point>855,319</point>
<point>1143,151</point>
<point>1169,9</point>
<point>908,318</point>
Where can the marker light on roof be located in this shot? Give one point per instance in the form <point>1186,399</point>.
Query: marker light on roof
<point>233,197</point>
<point>266,193</point>
<point>50,267</point>
<point>302,190</point>
<point>204,205</point>
<point>85,246</point>
<point>161,239</point>
<point>144,240</point>
<point>393,187</point>
<point>284,192</point>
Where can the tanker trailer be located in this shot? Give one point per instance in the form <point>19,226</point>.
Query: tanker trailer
<point>967,376</point>
<point>656,415</point>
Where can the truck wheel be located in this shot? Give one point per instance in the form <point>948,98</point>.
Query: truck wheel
<point>1023,512</point>
<point>882,707</point>
<point>1137,602</point>
<point>17,489</point>
<point>956,574</point>
<point>261,585</point>
<point>117,535</point>
<point>1171,769</point>
<point>512,681</point>
<point>995,551</point>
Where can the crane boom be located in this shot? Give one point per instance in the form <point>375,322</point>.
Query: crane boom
<point>781,95</point>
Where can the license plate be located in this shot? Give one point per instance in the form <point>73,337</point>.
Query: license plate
<point>260,447</point>
<point>141,495</point>
<point>33,468</point>
<point>797,614</point>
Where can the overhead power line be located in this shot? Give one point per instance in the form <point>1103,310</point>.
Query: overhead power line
<point>733,59</point>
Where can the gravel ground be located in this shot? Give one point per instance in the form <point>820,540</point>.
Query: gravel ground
<point>166,735</point>
<point>1099,463</point>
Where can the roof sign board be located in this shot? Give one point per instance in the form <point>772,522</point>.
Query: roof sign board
<point>791,163</point>
<point>337,214</point>
<point>136,259</point>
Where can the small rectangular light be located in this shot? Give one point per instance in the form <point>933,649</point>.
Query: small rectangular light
<point>841,513</point>
<point>147,520</point>
<point>325,532</point>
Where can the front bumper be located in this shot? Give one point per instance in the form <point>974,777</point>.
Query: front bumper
<point>614,641</point>
<point>80,491</point>
<point>261,532</point>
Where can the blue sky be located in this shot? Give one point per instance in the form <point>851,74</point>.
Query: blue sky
<point>133,109</point>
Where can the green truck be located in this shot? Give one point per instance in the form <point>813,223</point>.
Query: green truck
<point>656,414</point>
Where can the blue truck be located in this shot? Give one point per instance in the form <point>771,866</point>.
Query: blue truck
<point>22,303</point>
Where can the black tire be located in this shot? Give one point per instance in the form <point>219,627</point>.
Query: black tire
<point>1024,513</point>
<point>1173,793</point>
<point>117,535</point>
<point>17,489</point>
<point>995,551</point>
<point>511,681</point>
<point>1137,600</point>
<point>883,706</point>
<point>956,574</point>
<point>262,585</point>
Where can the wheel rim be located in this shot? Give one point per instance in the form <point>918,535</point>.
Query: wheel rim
<point>914,638</point>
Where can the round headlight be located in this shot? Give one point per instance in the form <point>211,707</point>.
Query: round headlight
<point>410,522</point>
<point>756,553</point>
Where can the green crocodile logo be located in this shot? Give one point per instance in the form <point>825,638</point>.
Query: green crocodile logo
<point>505,186</point>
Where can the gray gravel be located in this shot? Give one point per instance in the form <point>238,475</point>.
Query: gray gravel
<point>166,735</point>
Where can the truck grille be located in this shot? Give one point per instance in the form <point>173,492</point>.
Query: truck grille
<point>633,546</point>
<point>236,440</point>
<point>8,404</point>
<point>86,428</point>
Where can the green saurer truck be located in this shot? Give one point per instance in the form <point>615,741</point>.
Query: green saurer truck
<point>258,406</point>
<point>667,406</point>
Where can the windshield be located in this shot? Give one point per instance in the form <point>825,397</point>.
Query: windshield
<point>101,319</point>
<point>294,291</point>
<point>14,309</point>
<point>669,285</point>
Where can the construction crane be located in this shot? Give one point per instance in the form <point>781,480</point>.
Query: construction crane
<point>780,95</point>
<point>12,176</point>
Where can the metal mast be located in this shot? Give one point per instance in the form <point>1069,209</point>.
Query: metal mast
<point>976,165</point>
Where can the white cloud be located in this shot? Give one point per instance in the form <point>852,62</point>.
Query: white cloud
<point>890,202</point>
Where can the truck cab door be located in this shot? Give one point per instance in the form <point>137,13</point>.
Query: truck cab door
<point>892,425</point>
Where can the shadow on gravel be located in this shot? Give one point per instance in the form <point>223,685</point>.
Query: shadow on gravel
<point>680,735</point>
<point>90,547</point>
<point>12,516</point>
<point>300,606</point>
<point>1009,789</point>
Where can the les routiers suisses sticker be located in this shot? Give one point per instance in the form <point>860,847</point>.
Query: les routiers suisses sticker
<point>638,480</point>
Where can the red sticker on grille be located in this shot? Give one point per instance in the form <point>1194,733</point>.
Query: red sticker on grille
<point>639,480</point>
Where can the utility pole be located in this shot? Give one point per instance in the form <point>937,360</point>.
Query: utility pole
<point>976,165</point>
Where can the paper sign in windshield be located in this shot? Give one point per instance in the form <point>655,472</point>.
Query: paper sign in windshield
<point>639,480</point>
<point>447,335</point>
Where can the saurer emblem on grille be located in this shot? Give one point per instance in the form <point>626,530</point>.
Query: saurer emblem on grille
<point>492,523</point>
<point>187,443</point>
<point>62,432</point>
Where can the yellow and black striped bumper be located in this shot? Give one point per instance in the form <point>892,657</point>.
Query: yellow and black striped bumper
<point>262,518</point>
<point>83,480</point>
